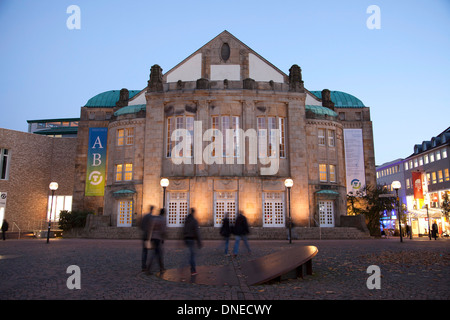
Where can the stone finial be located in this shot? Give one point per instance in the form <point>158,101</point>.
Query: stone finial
<point>295,79</point>
<point>249,84</point>
<point>123,98</point>
<point>202,83</point>
<point>155,84</point>
<point>326,99</point>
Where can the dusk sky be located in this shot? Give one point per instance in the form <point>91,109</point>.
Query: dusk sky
<point>401,70</point>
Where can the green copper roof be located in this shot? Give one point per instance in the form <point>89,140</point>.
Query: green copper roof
<point>130,109</point>
<point>321,110</point>
<point>341,99</point>
<point>108,99</point>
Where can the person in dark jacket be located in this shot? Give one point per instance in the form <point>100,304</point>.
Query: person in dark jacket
<point>191,236</point>
<point>240,231</point>
<point>434,230</point>
<point>145,227</point>
<point>4,228</point>
<point>225,231</point>
<point>158,234</point>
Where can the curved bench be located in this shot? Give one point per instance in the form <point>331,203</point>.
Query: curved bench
<point>288,263</point>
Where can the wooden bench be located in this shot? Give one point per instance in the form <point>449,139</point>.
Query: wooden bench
<point>276,265</point>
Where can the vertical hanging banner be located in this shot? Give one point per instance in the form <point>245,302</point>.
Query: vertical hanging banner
<point>96,162</point>
<point>417,183</point>
<point>354,160</point>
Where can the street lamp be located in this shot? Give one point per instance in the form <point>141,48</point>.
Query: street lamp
<point>53,186</point>
<point>397,185</point>
<point>288,183</point>
<point>164,184</point>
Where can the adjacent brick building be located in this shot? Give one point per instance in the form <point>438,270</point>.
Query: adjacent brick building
<point>29,163</point>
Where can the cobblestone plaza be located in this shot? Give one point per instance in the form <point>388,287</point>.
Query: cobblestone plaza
<point>31,269</point>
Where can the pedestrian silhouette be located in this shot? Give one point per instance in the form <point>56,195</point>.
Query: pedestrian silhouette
<point>4,228</point>
<point>145,227</point>
<point>225,231</point>
<point>191,236</point>
<point>240,230</point>
<point>434,230</point>
<point>158,234</point>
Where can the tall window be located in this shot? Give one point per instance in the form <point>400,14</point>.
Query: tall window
<point>332,173</point>
<point>331,138</point>
<point>4,164</point>
<point>265,125</point>
<point>222,124</point>
<point>179,122</point>
<point>447,177</point>
<point>125,136</point>
<point>321,136</point>
<point>323,172</point>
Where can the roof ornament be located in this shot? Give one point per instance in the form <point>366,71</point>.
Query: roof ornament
<point>326,99</point>
<point>155,84</point>
<point>295,79</point>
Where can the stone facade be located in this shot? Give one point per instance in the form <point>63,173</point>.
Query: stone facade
<point>224,84</point>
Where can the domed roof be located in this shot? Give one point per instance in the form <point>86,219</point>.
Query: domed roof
<point>108,99</point>
<point>341,99</point>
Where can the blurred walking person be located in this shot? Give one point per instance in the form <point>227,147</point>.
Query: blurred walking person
<point>191,236</point>
<point>158,234</point>
<point>434,230</point>
<point>225,231</point>
<point>241,230</point>
<point>145,227</point>
<point>4,228</point>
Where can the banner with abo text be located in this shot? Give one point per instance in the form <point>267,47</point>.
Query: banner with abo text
<point>96,162</point>
<point>354,160</point>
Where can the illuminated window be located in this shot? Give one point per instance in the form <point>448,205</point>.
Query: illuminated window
<point>128,172</point>
<point>323,172</point>
<point>447,178</point>
<point>444,153</point>
<point>119,168</point>
<point>433,177</point>
<point>438,155</point>
<point>440,177</point>
<point>125,136</point>
<point>425,158</point>
<point>124,172</point>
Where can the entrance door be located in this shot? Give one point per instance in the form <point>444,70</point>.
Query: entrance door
<point>326,213</point>
<point>273,209</point>
<point>225,202</point>
<point>177,204</point>
<point>125,213</point>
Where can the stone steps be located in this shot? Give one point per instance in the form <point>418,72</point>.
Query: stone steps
<point>211,233</point>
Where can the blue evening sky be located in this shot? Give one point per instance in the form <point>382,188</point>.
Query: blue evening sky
<point>401,71</point>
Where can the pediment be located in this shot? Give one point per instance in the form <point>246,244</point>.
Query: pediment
<point>225,57</point>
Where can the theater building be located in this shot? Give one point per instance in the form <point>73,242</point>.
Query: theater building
<point>226,128</point>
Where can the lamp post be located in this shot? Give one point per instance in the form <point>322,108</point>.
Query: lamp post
<point>53,186</point>
<point>428,218</point>
<point>288,183</point>
<point>397,185</point>
<point>164,184</point>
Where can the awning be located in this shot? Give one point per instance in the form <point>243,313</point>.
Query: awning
<point>123,193</point>
<point>422,213</point>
